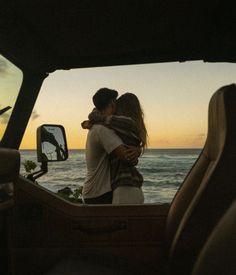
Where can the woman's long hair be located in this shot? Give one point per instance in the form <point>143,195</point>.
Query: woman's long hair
<point>128,105</point>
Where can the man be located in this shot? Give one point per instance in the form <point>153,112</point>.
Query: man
<point>101,141</point>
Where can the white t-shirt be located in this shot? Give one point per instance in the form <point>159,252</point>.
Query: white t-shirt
<point>101,141</point>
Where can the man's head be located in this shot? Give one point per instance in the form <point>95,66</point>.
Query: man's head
<point>104,100</point>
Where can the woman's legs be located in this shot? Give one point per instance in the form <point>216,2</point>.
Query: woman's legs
<point>128,195</point>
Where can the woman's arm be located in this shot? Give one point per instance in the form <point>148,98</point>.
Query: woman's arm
<point>113,121</point>
<point>94,117</point>
<point>124,126</point>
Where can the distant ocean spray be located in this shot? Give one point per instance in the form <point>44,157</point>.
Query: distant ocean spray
<point>163,171</point>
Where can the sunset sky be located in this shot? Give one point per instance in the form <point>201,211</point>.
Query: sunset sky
<point>174,97</point>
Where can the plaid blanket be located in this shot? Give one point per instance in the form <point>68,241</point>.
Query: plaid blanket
<point>122,172</point>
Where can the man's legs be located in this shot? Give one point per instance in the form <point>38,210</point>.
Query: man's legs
<point>103,199</point>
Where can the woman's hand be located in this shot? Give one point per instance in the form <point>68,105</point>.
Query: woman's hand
<point>87,124</point>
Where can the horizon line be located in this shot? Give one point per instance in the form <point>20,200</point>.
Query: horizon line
<point>152,148</point>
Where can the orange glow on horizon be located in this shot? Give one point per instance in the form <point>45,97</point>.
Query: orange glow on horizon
<point>77,140</point>
<point>174,97</point>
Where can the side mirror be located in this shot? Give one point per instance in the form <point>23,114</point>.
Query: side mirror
<point>51,143</point>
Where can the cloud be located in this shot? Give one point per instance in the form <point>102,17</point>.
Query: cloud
<point>196,137</point>
<point>34,115</point>
<point>200,136</point>
<point>163,141</point>
<point>4,118</point>
<point>3,67</point>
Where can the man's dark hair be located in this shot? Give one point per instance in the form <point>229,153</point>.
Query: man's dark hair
<point>103,98</point>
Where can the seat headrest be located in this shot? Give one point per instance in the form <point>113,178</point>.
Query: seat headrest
<point>9,165</point>
<point>221,122</point>
<point>216,188</point>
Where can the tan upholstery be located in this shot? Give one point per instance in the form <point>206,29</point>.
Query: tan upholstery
<point>218,254</point>
<point>212,150</point>
<point>184,196</point>
<point>209,188</point>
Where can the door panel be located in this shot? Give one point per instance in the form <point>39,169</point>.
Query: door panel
<point>45,228</point>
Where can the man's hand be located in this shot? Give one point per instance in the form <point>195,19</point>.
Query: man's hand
<point>129,154</point>
<point>133,150</point>
<point>132,154</point>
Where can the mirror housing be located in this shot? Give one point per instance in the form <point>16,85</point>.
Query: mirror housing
<point>51,143</point>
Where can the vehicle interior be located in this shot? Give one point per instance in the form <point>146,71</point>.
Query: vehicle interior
<point>41,233</point>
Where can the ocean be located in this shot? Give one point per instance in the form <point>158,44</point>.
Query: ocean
<point>163,171</point>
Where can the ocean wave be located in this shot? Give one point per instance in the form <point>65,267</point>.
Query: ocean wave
<point>162,183</point>
<point>163,171</point>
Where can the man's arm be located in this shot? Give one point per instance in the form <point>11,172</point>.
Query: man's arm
<point>127,154</point>
<point>112,143</point>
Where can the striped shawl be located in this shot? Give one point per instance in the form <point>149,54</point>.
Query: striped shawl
<point>122,172</point>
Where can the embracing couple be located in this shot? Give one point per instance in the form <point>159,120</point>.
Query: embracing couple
<point>117,137</point>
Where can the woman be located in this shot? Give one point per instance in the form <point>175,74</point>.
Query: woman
<point>128,123</point>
